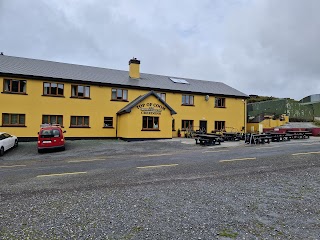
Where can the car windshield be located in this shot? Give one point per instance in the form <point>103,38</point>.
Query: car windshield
<point>6,135</point>
<point>50,133</point>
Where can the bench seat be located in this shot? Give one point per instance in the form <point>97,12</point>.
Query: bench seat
<point>207,142</point>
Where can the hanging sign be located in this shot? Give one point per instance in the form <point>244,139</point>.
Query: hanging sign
<point>151,108</point>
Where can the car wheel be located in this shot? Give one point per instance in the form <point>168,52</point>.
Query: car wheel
<point>63,148</point>
<point>1,151</point>
<point>40,151</point>
<point>15,144</point>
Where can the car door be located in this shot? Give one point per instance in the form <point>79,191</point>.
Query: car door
<point>5,142</point>
<point>9,140</point>
<point>2,141</point>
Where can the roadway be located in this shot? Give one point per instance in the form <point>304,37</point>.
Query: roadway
<point>166,164</point>
<point>164,190</point>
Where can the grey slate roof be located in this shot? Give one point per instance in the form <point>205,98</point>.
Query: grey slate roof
<point>56,70</point>
<point>127,109</point>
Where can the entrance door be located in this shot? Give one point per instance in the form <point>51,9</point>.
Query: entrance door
<point>203,126</point>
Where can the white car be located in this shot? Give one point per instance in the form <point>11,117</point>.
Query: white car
<point>7,141</point>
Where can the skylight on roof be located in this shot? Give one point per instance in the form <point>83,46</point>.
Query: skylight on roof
<point>179,80</point>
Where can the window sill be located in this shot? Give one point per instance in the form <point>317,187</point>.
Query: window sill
<point>87,98</point>
<point>79,127</point>
<point>108,127</point>
<point>151,130</point>
<point>119,100</point>
<point>47,95</point>
<point>13,126</point>
<point>18,93</point>
<point>219,107</point>
<point>190,105</point>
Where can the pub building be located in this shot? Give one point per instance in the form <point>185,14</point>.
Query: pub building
<point>91,102</point>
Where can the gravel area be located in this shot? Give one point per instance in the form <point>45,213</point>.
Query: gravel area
<point>272,205</point>
<point>91,148</point>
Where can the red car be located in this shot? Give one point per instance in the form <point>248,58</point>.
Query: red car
<point>50,137</point>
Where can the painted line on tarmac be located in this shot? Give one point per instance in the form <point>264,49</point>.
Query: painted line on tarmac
<point>268,147</point>
<point>13,166</point>
<point>159,166</point>
<point>60,174</point>
<point>215,151</point>
<point>237,159</point>
<point>305,153</point>
<point>306,144</point>
<point>87,160</point>
<point>156,155</point>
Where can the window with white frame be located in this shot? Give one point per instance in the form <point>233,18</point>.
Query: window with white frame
<point>150,123</point>
<point>187,100</point>
<point>53,89</point>
<point>219,125</point>
<point>119,94</point>
<point>220,102</point>
<point>80,91</point>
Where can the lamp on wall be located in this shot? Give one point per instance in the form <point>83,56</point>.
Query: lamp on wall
<point>206,97</point>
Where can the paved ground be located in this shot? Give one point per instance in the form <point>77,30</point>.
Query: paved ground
<point>97,148</point>
<point>232,191</point>
<point>299,125</point>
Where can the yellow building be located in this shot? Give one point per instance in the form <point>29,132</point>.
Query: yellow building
<point>91,102</point>
<point>267,122</point>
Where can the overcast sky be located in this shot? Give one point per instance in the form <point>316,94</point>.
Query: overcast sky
<point>263,47</point>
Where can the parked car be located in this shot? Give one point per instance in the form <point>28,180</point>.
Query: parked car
<point>50,137</point>
<point>7,141</point>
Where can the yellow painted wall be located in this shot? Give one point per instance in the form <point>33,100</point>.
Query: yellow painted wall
<point>34,105</point>
<point>233,114</point>
<point>252,127</point>
<point>131,123</point>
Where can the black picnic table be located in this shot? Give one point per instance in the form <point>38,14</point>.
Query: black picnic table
<point>231,136</point>
<point>207,139</point>
<point>278,136</point>
<point>299,134</point>
<point>255,138</point>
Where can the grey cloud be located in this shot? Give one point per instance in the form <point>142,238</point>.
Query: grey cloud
<point>266,47</point>
<point>279,47</point>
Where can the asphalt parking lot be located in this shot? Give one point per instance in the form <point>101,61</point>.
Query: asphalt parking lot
<point>170,189</point>
<point>96,148</point>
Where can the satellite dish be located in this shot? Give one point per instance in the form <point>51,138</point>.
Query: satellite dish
<point>206,97</point>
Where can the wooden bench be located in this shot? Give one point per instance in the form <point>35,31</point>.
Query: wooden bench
<point>207,142</point>
<point>257,139</point>
<point>264,139</point>
<point>297,135</point>
<point>288,136</point>
<point>307,135</point>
